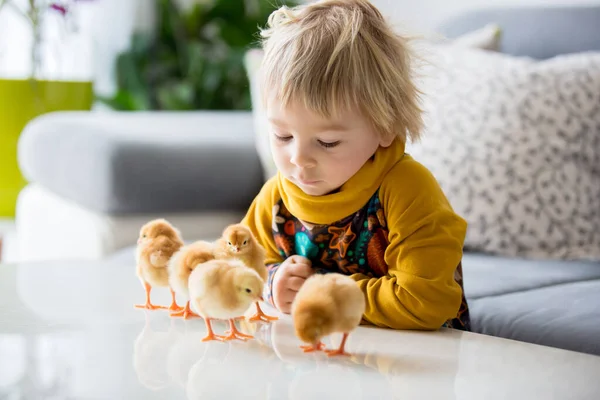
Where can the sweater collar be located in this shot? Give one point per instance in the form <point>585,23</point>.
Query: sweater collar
<point>351,197</point>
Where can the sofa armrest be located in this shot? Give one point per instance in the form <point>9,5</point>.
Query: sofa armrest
<point>52,228</point>
<point>144,162</point>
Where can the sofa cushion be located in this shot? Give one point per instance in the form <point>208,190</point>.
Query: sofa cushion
<point>566,316</point>
<point>538,31</point>
<point>487,275</point>
<point>133,163</point>
<point>515,144</point>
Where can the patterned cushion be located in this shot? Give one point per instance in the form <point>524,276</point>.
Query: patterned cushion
<point>487,37</point>
<point>515,144</point>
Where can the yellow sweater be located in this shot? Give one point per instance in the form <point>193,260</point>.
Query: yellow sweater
<point>389,227</point>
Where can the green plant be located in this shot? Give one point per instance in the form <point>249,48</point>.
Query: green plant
<point>193,59</point>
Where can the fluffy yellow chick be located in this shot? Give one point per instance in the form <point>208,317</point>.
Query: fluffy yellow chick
<point>238,242</point>
<point>224,289</point>
<point>181,266</point>
<point>157,243</point>
<point>324,305</point>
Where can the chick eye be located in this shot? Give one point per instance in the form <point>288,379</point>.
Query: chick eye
<point>245,242</point>
<point>143,236</point>
<point>229,243</point>
<point>248,290</point>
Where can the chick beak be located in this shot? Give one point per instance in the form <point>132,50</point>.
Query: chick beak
<point>261,298</point>
<point>236,249</point>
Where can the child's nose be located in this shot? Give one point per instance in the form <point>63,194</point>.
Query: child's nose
<point>301,158</point>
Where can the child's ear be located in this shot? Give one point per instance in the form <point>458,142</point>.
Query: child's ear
<point>386,139</point>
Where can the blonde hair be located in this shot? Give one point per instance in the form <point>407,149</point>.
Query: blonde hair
<point>341,54</point>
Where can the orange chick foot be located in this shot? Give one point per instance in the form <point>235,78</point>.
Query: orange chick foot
<point>233,333</point>
<point>261,316</point>
<point>336,352</point>
<point>238,336</point>
<point>149,306</point>
<point>186,312</point>
<point>340,351</point>
<point>311,348</point>
<point>210,335</point>
<point>175,308</point>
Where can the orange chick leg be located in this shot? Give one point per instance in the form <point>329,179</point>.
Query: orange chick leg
<point>311,348</point>
<point>233,332</point>
<point>174,306</point>
<point>149,305</point>
<point>186,313</point>
<point>261,316</point>
<point>340,351</point>
<point>211,335</point>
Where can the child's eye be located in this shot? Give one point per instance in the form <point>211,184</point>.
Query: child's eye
<point>282,138</point>
<point>329,145</point>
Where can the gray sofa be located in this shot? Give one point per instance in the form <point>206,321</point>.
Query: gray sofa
<point>550,303</point>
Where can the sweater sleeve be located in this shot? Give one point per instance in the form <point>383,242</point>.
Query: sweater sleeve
<point>425,247</point>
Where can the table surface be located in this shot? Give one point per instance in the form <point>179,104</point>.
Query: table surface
<point>69,331</point>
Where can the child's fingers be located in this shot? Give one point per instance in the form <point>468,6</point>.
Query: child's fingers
<point>285,301</point>
<point>294,283</point>
<point>301,270</point>
<point>298,259</point>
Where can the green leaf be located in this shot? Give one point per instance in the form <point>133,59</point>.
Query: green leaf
<point>125,101</point>
<point>176,96</point>
<point>140,43</point>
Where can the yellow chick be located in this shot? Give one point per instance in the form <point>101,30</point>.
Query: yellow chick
<point>157,243</point>
<point>238,242</point>
<point>324,305</point>
<point>224,289</point>
<point>181,266</point>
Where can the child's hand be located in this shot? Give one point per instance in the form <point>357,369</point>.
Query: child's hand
<point>290,276</point>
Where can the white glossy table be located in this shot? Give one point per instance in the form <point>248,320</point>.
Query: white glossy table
<point>69,331</point>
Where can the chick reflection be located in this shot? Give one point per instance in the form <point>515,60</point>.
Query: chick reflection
<point>315,375</point>
<point>170,353</point>
<point>150,352</point>
<point>426,371</point>
<point>230,370</point>
<point>386,363</point>
<point>383,363</point>
<point>186,352</point>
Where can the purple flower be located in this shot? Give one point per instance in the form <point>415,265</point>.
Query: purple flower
<point>62,9</point>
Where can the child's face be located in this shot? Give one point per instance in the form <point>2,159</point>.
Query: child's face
<point>317,154</point>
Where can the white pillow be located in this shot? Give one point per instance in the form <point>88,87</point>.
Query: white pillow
<point>487,37</point>
<point>515,144</point>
